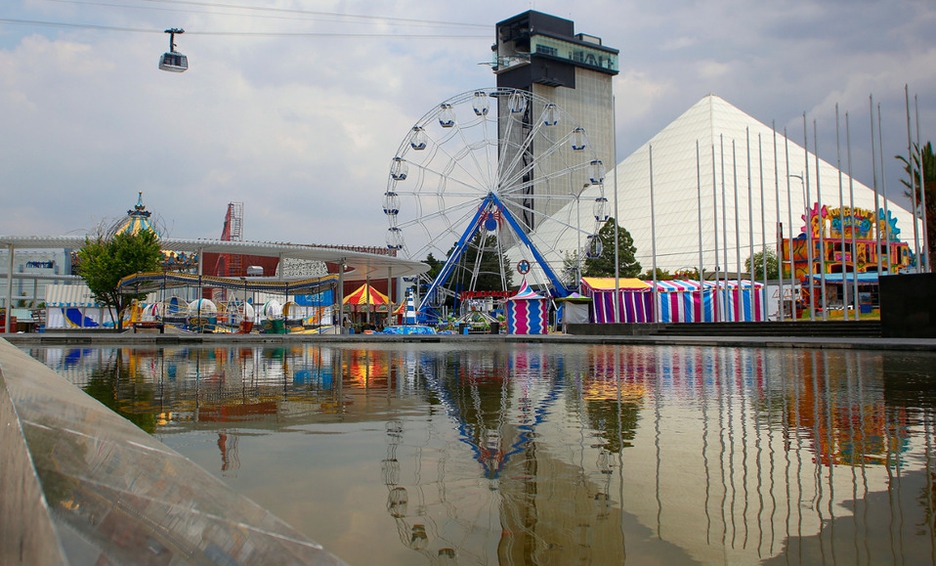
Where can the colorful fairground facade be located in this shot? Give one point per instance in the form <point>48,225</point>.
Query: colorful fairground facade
<point>846,240</point>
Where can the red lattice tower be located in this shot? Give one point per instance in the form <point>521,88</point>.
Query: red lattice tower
<point>233,232</point>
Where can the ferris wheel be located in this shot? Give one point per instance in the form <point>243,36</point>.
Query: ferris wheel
<point>497,171</point>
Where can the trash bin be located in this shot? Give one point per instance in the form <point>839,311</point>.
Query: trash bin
<point>463,328</point>
<point>865,308</point>
<point>495,328</point>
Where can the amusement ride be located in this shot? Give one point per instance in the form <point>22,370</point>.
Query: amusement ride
<point>496,171</point>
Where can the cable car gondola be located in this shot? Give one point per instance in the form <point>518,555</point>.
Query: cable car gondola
<point>173,61</point>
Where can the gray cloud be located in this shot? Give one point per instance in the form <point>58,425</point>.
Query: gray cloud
<point>302,129</point>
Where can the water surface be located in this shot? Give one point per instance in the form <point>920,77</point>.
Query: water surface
<point>552,454</point>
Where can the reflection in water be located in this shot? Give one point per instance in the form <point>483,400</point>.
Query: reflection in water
<point>531,454</point>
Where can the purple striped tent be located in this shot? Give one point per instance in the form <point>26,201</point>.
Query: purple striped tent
<point>634,301</point>
<point>527,312</point>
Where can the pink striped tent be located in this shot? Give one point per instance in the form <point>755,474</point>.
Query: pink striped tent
<point>634,300</point>
<point>527,312</point>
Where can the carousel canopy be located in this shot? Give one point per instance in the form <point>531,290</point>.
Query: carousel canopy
<point>137,219</point>
<point>366,295</point>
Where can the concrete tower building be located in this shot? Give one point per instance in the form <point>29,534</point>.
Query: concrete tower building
<point>542,54</point>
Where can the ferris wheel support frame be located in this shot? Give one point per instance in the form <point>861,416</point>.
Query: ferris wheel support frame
<point>490,201</point>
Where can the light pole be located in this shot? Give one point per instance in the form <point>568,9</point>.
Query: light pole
<point>809,246</point>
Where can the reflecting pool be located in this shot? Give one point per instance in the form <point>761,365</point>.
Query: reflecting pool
<point>515,454</point>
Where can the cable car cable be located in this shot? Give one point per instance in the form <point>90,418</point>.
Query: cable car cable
<point>293,17</point>
<point>41,23</point>
<point>376,19</point>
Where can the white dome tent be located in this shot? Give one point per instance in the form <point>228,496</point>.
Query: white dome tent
<point>720,127</point>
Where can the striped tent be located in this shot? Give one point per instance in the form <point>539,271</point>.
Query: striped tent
<point>685,301</point>
<point>366,297</point>
<point>634,301</point>
<point>739,302</point>
<point>527,312</point>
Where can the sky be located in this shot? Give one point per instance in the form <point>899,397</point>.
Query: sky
<point>296,108</point>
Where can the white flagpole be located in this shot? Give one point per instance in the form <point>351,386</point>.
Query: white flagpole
<point>789,196</point>
<point>653,239</point>
<point>617,217</point>
<point>750,207</point>
<point>717,305</point>
<point>724,213</point>
<point>838,165</point>
<point>763,222</point>
<point>778,222</point>
<point>737,228</point>
<point>926,238</point>
<point>822,231</point>
<point>887,226</point>
<point>877,201</point>
<point>809,228</point>
<point>698,162</point>
<point>913,191</point>
<point>851,197</point>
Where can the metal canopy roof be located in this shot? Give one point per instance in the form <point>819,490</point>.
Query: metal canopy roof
<point>359,265</point>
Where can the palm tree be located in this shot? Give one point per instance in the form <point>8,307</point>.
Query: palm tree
<point>927,187</point>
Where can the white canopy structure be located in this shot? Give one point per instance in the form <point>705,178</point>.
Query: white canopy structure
<point>735,151</point>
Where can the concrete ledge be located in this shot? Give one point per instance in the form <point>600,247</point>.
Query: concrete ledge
<point>622,329</point>
<point>82,485</point>
<point>28,536</point>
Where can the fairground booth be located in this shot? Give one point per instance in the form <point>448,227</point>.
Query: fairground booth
<point>527,312</point>
<point>673,301</point>
<point>632,299</point>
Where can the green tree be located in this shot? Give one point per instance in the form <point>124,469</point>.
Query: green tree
<point>758,270</point>
<point>928,183</point>
<point>103,262</point>
<point>435,266</point>
<point>603,265</point>
<point>489,268</point>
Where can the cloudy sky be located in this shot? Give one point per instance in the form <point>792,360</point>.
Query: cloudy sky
<point>295,108</point>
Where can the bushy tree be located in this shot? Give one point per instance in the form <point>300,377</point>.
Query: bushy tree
<point>603,265</point>
<point>757,272</point>
<point>103,262</point>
